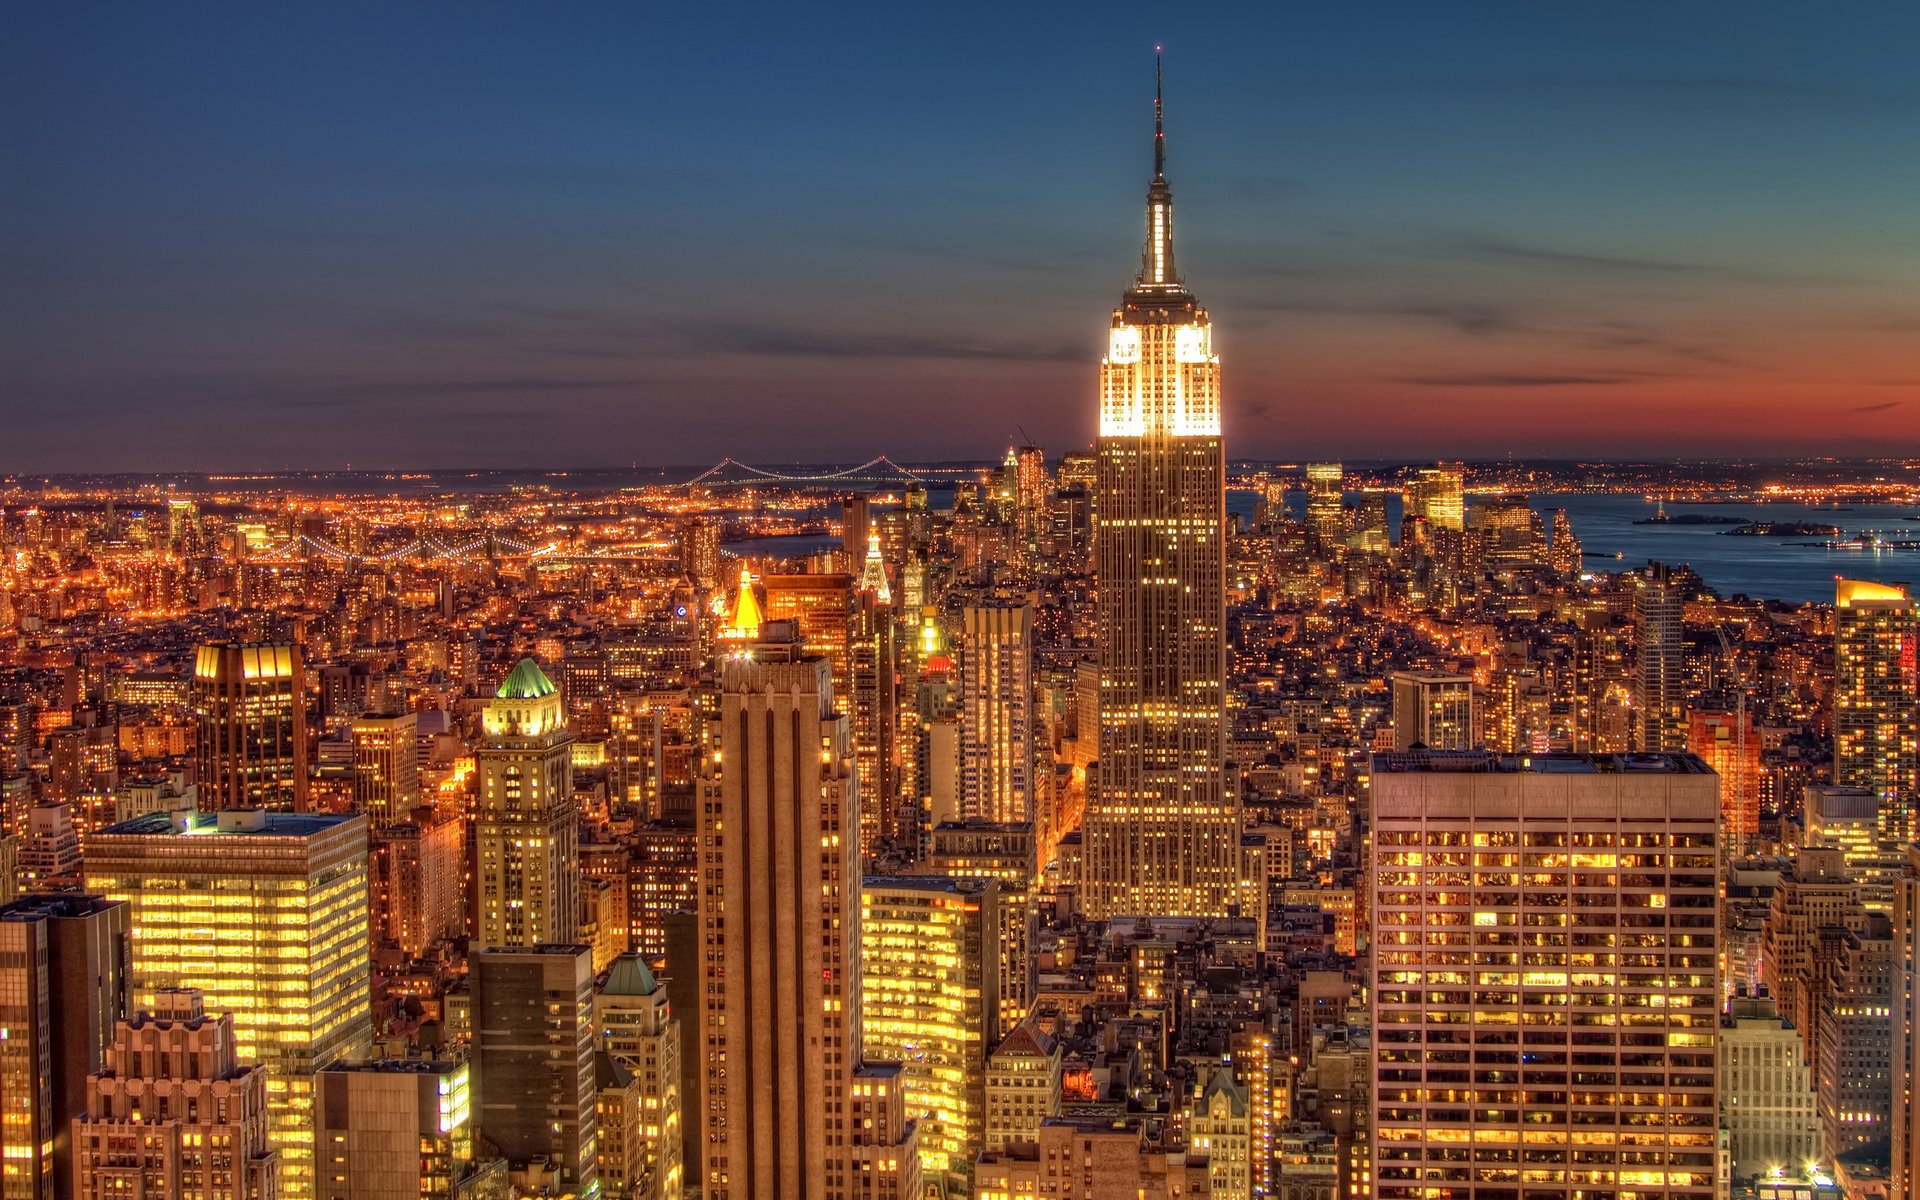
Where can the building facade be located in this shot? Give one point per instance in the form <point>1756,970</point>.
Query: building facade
<point>250,714</point>
<point>1544,959</point>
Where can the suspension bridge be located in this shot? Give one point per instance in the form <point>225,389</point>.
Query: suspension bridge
<point>488,547</point>
<point>731,472</point>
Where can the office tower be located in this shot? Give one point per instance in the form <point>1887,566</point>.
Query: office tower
<point>250,711</point>
<point>533,1058</point>
<point>1659,683</point>
<point>173,1111</point>
<point>1855,1063</point>
<point>386,766</point>
<point>266,913</point>
<point>638,1030</point>
<point>1905,1084</point>
<point>779,927</point>
<point>1729,743</point>
<point>1437,495</point>
<point>1326,502</point>
<point>527,830</point>
<point>1875,733</point>
<point>1161,832</point>
<point>393,1128</point>
<point>1563,552</point>
<point>62,987</point>
<point>1433,709</point>
<point>1766,1092</point>
<point>856,524</point>
<point>1544,960</point>
<point>9,867</point>
<point>419,871</point>
<point>996,712</point>
<point>930,1000</point>
<point>1006,852</point>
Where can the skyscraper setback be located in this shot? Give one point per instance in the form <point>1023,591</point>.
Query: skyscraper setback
<point>1162,832</point>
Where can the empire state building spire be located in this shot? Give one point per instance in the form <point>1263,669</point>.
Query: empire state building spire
<point>1156,262</point>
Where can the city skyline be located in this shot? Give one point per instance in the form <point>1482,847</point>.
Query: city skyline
<point>1432,236</point>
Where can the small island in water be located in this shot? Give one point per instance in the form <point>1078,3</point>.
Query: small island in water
<point>1661,518</point>
<point>1782,529</point>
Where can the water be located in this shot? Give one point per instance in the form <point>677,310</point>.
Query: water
<point>1773,568</point>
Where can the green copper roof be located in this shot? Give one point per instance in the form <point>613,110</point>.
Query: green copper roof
<point>629,976</point>
<point>527,682</point>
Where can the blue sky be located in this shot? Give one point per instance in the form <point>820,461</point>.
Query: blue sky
<point>439,234</point>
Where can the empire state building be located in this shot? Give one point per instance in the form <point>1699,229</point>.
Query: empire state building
<point>1161,834</point>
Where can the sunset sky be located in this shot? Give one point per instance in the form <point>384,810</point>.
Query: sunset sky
<point>555,235</point>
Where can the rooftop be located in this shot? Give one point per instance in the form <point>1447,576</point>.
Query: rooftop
<point>526,682</point>
<point>1488,762</point>
<point>251,822</point>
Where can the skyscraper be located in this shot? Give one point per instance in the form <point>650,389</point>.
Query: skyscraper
<point>527,831</point>
<point>386,766</point>
<point>1659,688</point>
<point>1544,961</point>
<point>1326,501</point>
<point>1162,829</point>
<point>635,1025</point>
<point>266,914</point>
<point>1437,494</point>
<point>778,886</point>
<point>61,990</point>
<point>930,1000</point>
<point>996,713</point>
<point>779,928</point>
<point>1876,729</point>
<point>250,709</point>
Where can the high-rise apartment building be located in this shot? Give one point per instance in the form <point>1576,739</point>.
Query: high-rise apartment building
<point>527,828</point>
<point>779,927</point>
<point>266,914</point>
<point>1161,831</point>
<point>996,712</point>
<point>386,766</point>
<point>250,711</point>
<point>1432,709</point>
<point>62,987</point>
<point>533,1058</point>
<point>173,1111</point>
<point>1545,975</point>
<point>1854,1066</point>
<point>1876,725</point>
<point>930,1000</point>
<point>1659,683</point>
